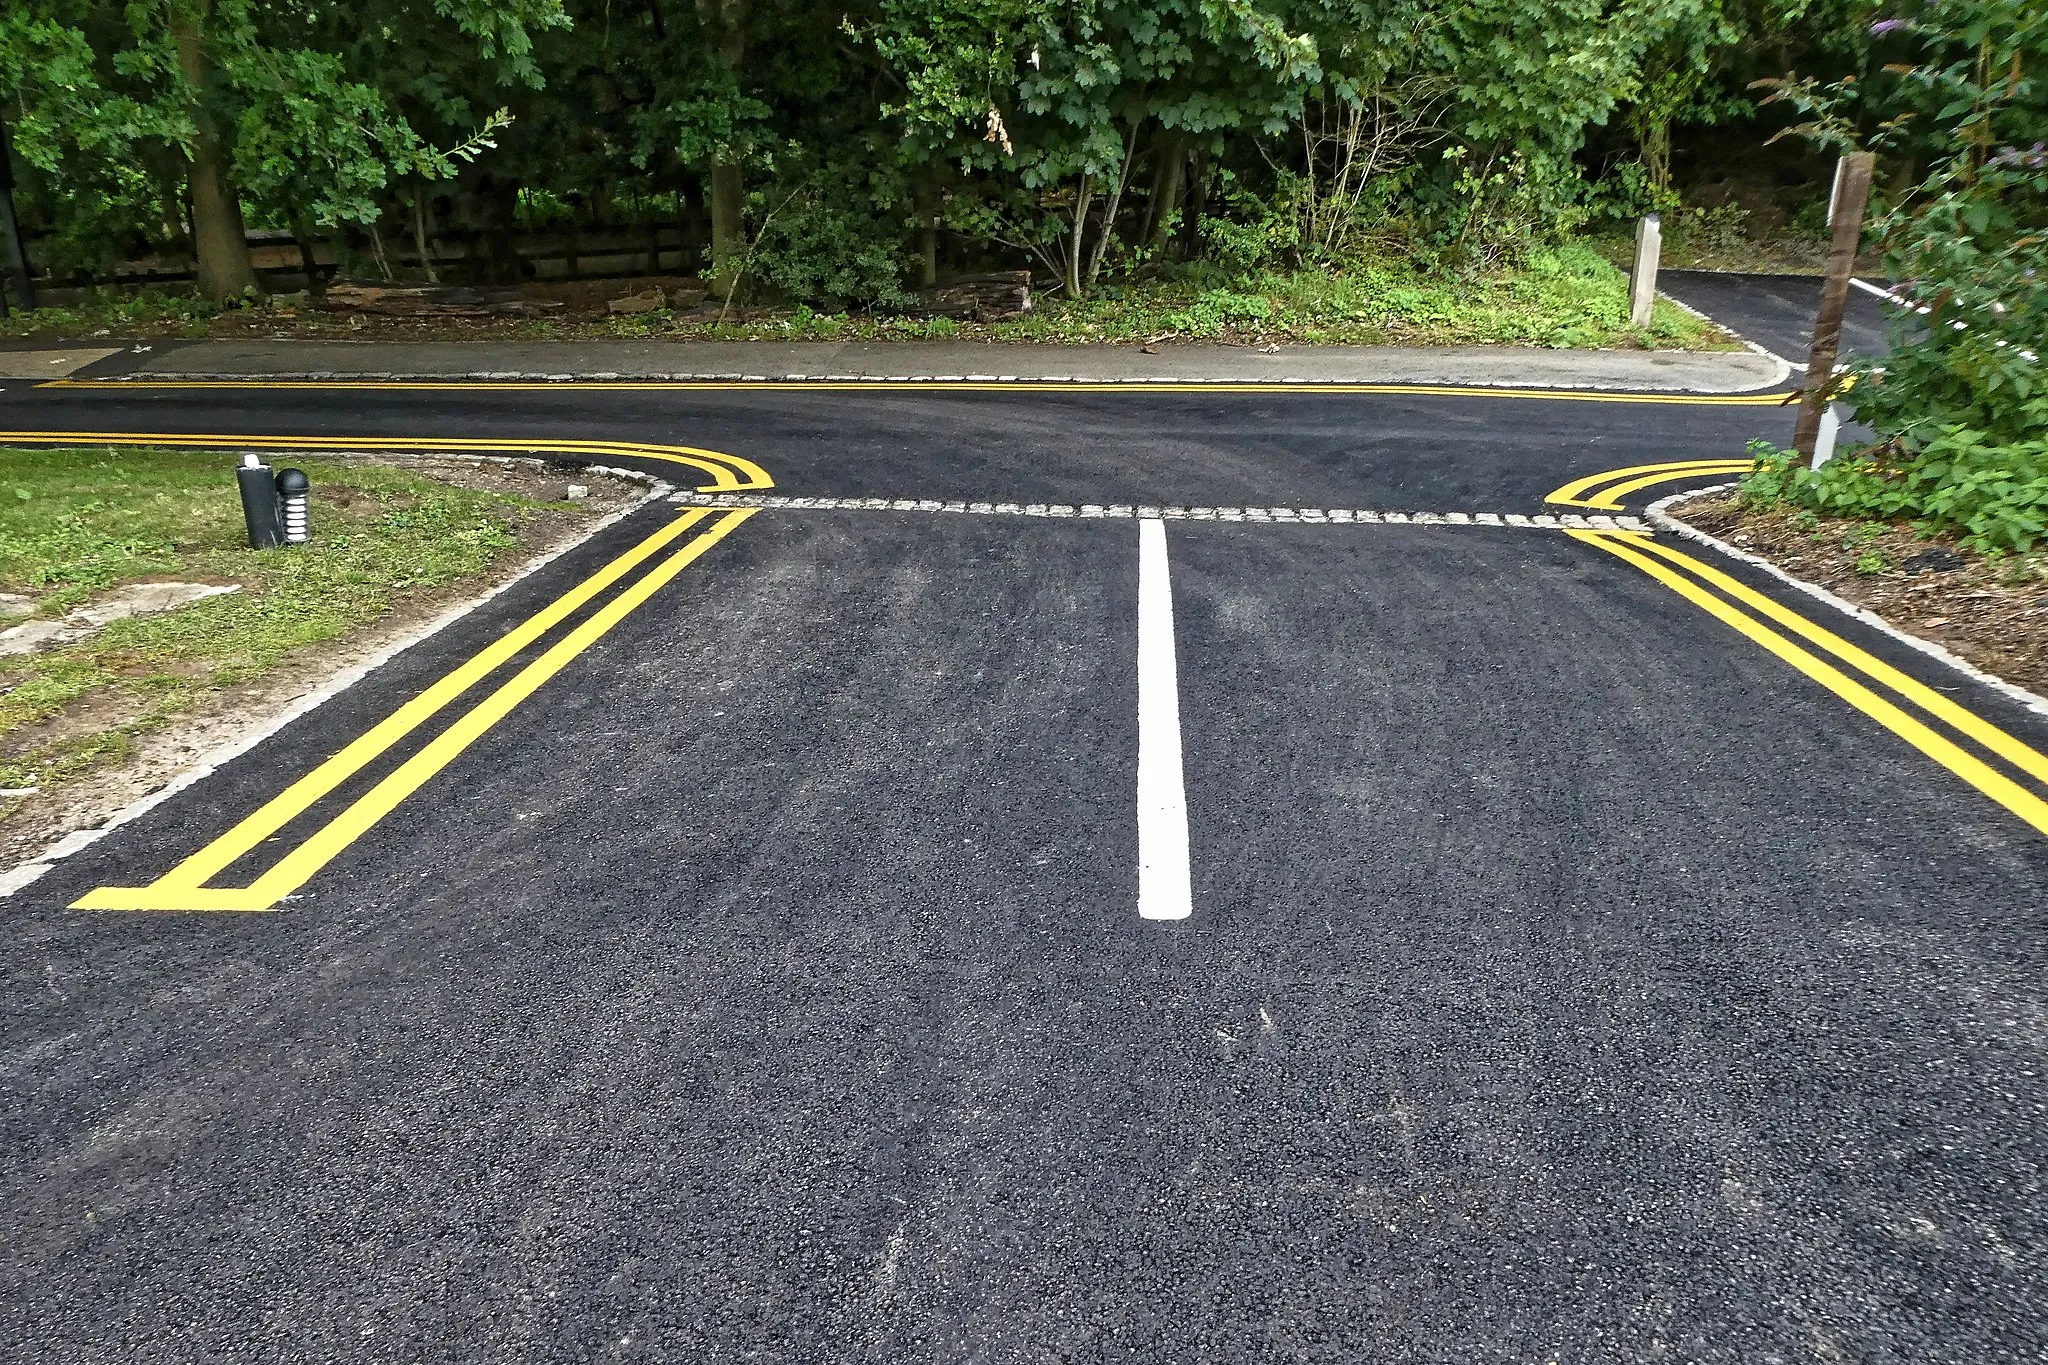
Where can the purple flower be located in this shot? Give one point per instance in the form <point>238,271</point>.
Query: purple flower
<point>1884,26</point>
<point>2034,158</point>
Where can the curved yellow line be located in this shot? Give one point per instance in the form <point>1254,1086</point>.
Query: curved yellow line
<point>728,473</point>
<point>1571,494</point>
<point>1611,498</point>
<point>940,386</point>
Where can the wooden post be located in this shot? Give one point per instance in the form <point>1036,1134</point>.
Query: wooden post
<point>1642,283</point>
<point>1852,196</point>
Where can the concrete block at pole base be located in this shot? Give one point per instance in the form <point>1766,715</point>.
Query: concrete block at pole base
<point>1824,439</point>
<point>1642,284</point>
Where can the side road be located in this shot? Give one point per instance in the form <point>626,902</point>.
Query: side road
<point>1494,366</point>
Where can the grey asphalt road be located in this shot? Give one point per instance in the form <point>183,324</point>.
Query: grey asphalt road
<point>1568,979</point>
<point>1777,311</point>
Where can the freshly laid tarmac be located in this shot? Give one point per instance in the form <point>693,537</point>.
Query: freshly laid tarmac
<point>1576,965</point>
<point>1777,311</point>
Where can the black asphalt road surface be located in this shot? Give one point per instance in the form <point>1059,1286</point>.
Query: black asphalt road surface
<point>1568,980</point>
<point>1292,447</point>
<point>1777,311</point>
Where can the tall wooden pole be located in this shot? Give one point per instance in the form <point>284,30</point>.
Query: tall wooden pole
<point>1852,195</point>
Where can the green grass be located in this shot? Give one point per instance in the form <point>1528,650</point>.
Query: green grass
<point>1570,296</point>
<point>75,522</point>
<point>1567,297</point>
<point>106,311</point>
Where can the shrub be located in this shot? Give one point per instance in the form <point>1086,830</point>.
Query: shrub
<point>1993,493</point>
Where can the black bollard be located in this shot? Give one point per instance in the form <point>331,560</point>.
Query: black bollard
<point>259,503</point>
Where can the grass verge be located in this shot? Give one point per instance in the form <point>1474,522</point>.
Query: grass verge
<point>1569,297</point>
<point>74,523</point>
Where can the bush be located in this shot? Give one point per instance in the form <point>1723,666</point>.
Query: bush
<point>1217,308</point>
<point>831,240</point>
<point>1960,406</point>
<point>1995,495</point>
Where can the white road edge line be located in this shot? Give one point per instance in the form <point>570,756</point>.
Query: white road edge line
<point>1785,366</point>
<point>1164,888</point>
<point>1664,521</point>
<point>1892,296</point>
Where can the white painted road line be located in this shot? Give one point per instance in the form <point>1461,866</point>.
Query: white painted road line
<point>1164,890</point>
<point>1280,516</point>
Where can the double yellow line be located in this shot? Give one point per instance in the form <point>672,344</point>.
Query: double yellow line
<point>1725,598</point>
<point>1606,490</point>
<point>1020,385</point>
<point>726,473</point>
<point>185,887</point>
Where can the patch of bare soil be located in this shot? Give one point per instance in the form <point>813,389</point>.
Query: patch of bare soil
<point>1990,611</point>
<point>30,824</point>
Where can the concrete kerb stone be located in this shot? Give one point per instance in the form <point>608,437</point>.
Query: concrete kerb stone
<point>1007,380</point>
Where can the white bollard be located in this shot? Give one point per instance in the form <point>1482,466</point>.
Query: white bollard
<point>1642,283</point>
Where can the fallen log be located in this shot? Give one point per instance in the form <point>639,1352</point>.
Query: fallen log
<point>429,301</point>
<point>978,298</point>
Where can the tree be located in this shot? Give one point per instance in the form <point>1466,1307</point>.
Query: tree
<point>239,97</point>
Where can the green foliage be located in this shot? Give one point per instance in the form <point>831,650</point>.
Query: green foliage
<point>1993,494</point>
<point>829,238</point>
<point>1096,139</point>
<point>102,310</point>
<point>1961,405</point>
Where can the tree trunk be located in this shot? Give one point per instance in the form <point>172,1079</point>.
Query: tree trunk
<point>1106,234</point>
<point>929,251</point>
<point>728,236</point>
<point>1073,261</point>
<point>220,246</point>
<point>727,189</point>
<point>1197,200</point>
<point>1656,152</point>
<point>419,233</point>
<point>1166,197</point>
<point>309,261</point>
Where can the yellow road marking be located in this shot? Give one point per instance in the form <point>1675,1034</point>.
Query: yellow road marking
<point>729,473</point>
<point>941,386</point>
<point>2017,752</point>
<point>1573,493</point>
<point>182,889</point>
<point>1963,764</point>
<point>204,865</point>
